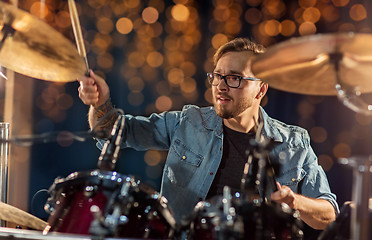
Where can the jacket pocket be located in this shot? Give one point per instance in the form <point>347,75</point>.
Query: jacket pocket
<point>292,178</point>
<point>185,154</point>
<point>182,165</point>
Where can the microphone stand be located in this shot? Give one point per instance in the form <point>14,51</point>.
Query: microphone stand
<point>258,173</point>
<point>105,224</point>
<point>111,149</point>
<point>259,170</point>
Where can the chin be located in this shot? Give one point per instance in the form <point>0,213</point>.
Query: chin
<point>224,114</point>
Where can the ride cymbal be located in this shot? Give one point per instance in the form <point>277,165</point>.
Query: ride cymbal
<point>31,47</point>
<point>315,64</point>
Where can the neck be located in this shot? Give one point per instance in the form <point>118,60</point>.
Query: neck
<point>245,122</point>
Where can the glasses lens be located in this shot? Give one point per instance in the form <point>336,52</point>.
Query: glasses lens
<point>213,78</point>
<point>232,80</point>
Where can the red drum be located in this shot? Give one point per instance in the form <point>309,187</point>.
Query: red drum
<point>243,220</point>
<point>108,204</point>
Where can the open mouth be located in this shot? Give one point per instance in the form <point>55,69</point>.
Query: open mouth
<point>222,99</point>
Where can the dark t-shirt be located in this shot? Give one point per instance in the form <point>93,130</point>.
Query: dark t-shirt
<point>230,172</point>
<point>234,157</point>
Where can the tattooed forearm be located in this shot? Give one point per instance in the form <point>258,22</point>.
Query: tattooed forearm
<point>102,118</point>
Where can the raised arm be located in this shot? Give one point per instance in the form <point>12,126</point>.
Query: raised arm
<point>94,91</point>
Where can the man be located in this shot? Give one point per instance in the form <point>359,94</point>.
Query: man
<point>207,146</point>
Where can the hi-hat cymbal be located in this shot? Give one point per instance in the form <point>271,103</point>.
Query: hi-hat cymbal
<point>315,64</point>
<point>12,214</point>
<point>36,49</point>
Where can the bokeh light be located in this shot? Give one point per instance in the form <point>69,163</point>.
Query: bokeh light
<point>154,59</point>
<point>325,161</point>
<point>218,40</point>
<point>306,3</point>
<point>311,15</point>
<point>305,109</point>
<point>342,150</point>
<point>307,28</point>
<point>318,134</point>
<point>287,28</point>
<point>175,76</point>
<point>152,157</point>
<point>136,84</point>
<point>163,103</point>
<point>358,12</point>
<point>253,16</point>
<point>180,12</point>
<point>150,15</point>
<point>330,13</point>
<point>105,25</point>
<point>340,3</point>
<point>124,25</point>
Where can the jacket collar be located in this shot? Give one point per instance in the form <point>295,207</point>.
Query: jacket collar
<point>269,130</point>
<point>213,122</point>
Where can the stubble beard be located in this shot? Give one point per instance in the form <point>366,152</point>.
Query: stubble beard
<point>235,111</point>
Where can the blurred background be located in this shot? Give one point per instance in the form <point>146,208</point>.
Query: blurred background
<point>154,55</point>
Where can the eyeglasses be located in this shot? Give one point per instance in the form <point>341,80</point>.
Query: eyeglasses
<point>232,80</point>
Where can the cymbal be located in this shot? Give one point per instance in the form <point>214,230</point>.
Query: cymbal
<point>36,49</point>
<point>314,64</point>
<point>12,214</point>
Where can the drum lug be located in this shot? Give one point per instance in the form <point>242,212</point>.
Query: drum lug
<point>97,225</point>
<point>89,191</point>
<point>49,208</point>
<point>106,225</point>
<point>113,220</point>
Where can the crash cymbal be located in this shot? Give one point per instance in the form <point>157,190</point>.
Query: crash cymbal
<point>315,64</point>
<point>12,214</point>
<point>35,49</point>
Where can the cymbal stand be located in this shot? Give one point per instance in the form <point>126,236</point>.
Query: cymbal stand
<point>362,166</point>
<point>4,159</point>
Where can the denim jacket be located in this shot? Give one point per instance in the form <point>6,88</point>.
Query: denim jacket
<point>194,138</point>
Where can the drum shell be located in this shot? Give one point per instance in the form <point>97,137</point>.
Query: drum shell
<point>252,221</point>
<point>72,198</point>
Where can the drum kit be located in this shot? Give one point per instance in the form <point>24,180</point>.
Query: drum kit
<point>104,204</point>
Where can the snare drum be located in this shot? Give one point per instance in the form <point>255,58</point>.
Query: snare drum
<point>126,207</point>
<point>245,220</point>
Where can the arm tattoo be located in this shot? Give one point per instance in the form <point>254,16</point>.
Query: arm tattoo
<point>105,123</point>
<point>100,111</point>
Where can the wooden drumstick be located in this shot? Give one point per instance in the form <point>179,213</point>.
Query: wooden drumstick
<point>12,214</point>
<point>77,32</point>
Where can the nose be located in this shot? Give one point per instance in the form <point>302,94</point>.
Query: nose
<point>222,86</point>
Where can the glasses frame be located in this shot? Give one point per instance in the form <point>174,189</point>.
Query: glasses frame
<point>211,76</point>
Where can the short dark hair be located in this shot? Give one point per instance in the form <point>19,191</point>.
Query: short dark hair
<point>238,45</point>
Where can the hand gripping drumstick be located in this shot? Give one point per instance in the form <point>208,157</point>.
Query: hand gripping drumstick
<point>77,32</point>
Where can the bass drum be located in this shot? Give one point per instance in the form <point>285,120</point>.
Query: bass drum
<point>243,220</point>
<point>108,204</point>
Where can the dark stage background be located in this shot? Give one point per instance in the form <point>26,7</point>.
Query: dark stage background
<point>154,55</point>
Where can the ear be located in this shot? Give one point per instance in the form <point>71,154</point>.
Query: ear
<point>263,90</point>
